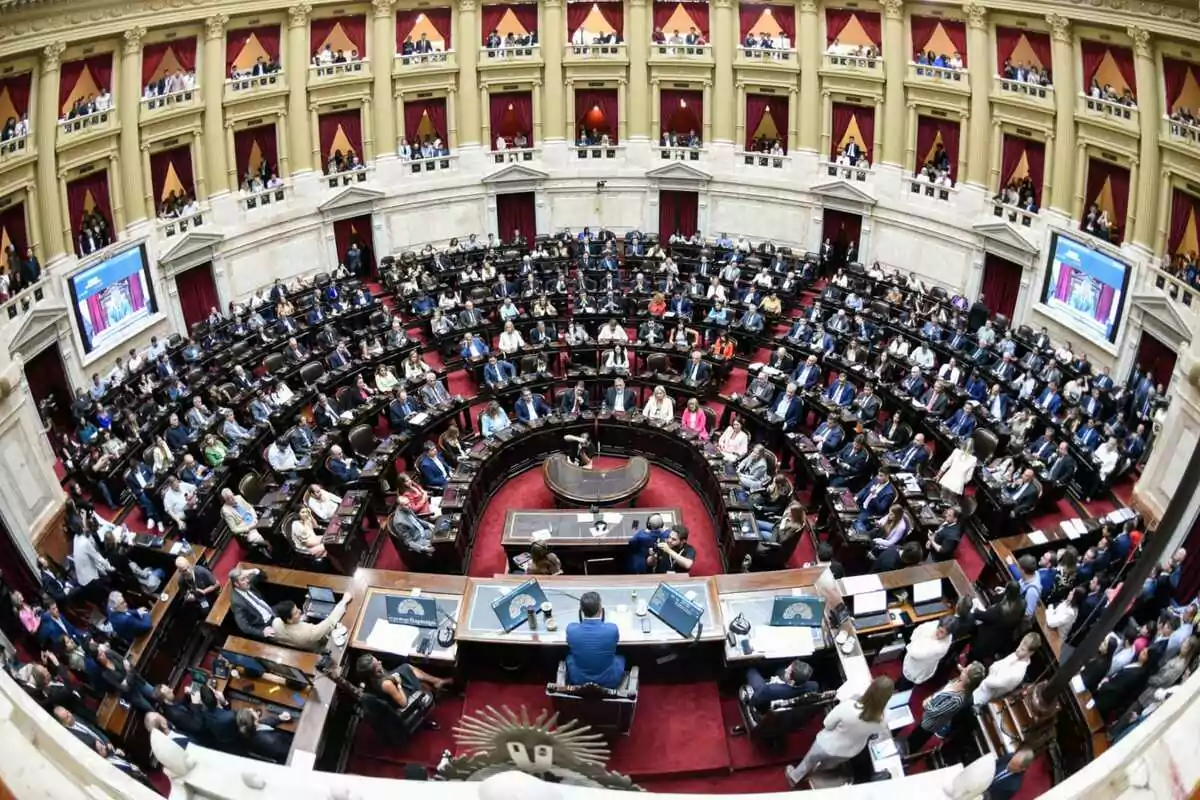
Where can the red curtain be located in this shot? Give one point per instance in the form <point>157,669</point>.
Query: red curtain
<point>677,211</point>
<point>1007,40</point>
<point>414,110</point>
<point>1175,73</point>
<point>235,42</point>
<point>1189,581</point>
<point>1035,157</point>
<point>957,32</point>
<point>350,123</point>
<point>922,31</point>
<point>512,113</point>
<point>872,27</point>
<point>698,12</point>
<point>355,28</point>
<point>1183,208</point>
<point>1001,284</point>
<point>1010,157</point>
<point>160,163</point>
<point>1157,357</point>
<point>491,19</point>
<point>606,101</point>
<point>928,129</point>
<point>527,15</point>
<point>1118,179</point>
<point>243,146</point>
<point>680,111</point>
<point>864,117</point>
<point>614,15</point>
<point>12,224</point>
<point>355,230</point>
<point>1093,53</point>
<point>841,229</point>
<point>758,106</point>
<point>98,66</point>
<point>1035,154</point>
<point>17,87</point>
<point>152,56</point>
<point>836,20</point>
<point>1123,57</point>
<point>1040,44</point>
<point>439,18</point>
<point>197,294</point>
<point>96,185</point>
<point>48,379</point>
<point>785,16</point>
<point>577,14</point>
<point>515,212</point>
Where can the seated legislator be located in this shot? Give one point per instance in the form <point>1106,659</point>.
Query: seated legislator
<point>620,400</point>
<point>828,435</point>
<point>342,466</point>
<point>873,501</point>
<point>788,682</point>
<point>531,407</point>
<point>303,534</point>
<point>734,442</point>
<point>695,420</point>
<point>760,389</point>
<point>493,420</point>
<point>321,502</point>
<point>497,374</point>
<point>240,517</point>
<point>434,469</point>
<point>787,408</point>
<point>910,457</point>
<point>943,540</point>
<point>660,406</point>
<point>592,647</point>
<point>850,462</point>
<point>839,392</point>
<point>674,554</point>
<point>754,471</point>
<point>126,623</point>
<point>251,612</point>
<point>696,372</point>
<point>807,374</point>
<point>291,629</point>
<point>574,401</point>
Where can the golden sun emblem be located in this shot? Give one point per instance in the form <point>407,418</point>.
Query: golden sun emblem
<point>494,741</point>
<point>798,611</point>
<point>518,604</point>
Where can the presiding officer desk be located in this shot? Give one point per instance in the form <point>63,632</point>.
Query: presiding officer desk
<point>574,538</point>
<point>572,485</point>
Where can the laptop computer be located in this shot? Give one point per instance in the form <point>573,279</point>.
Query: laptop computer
<point>927,598</point>
<point>320,602</point>
<point>870,609</point>
<point>420,612</point>
<point>510,606</point>
<point>676,611</point>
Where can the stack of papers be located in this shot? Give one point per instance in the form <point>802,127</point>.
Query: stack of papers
<point>1037,537</point>
<point>861,584</point>
<point>789,642</point>
<point>397,639</point>
<point>540,536</point>
<point>1073,528</point>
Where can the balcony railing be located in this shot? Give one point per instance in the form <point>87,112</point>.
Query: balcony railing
<point>926,72</point>
<point>594,52</point>
<point>25,300</point>
<point>240,87</point>
<point>1181,131</point>
<point>15,147</point>
<point>857,172</point>
<point>514,154</point>
<point>349,177</point>
<point>770,160</point>
<point>924,188</point>
<point>1034,91</point>
<point>1118,112</point>
<point>688,52</point>
<point>86,123</point>
<point>503,55</point>
<point>321,73</point>
<point>1014,214</point>
<point>680,153</point>
<point>1184,293</point>
<point>767,55</point>
<point>597,152</point>
<point>444,59</point>
<point>445,163</point>
<point>266,197</point>
<point>172,226</point>
<point>184,97</point>
<point>872,64</point>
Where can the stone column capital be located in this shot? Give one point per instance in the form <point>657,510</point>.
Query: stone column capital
<point>466,5</point>
<point>214,26</point>
<point>1141,41</point>
<point>1060,27</point>
<point>383,8</point>
<point>133,40</point>
<point>723,3</point>
<point>893,9</point>
<point>298,14</point>
<point>808,6</point>
<point>976,15</point>
<point>52,56</point>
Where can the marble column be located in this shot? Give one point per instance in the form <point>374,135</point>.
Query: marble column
<point>298,130</point>
<point>212,86</point>
<point>46,134</point>
<point>724,30</point>
<point>808,45</point>
<point>553,39</point>
<point>1149,97</point>
<point>383,50</point>
<point>468,77</point>
<point>979,67</point>
<point>639,95</point>
<point>128,108</point>
<point>1063,165</point>
<point>895,67</point>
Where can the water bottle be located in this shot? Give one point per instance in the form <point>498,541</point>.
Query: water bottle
<point>187,548</point>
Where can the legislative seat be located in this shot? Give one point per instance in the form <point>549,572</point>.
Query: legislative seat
<point>1018,511</point>
<point>363,440</point>
<point>986,443</point>
<point>312,372</point>
<point>772,726</point>
<point>414,560</point>
<point>528,364</point>
<point>394,726</point>
<point>710,420</point>
<point>657,363</point>
<point>274,362</point>
<point>607,711</point>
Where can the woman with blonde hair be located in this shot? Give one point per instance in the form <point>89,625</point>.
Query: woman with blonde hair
<point>385,379</point>
<point>695,420</point>
<point>304,534</point>
<point>414,367</point>
<point>846,730</point>
<point>660,407</point>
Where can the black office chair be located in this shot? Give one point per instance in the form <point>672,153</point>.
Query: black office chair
<point>770,555</point>
<point>1024,332</point>
<point>1000,322</point>
<point>415,560</point>
<point>986,442</point>
<point>938,293</point>
<point>657,363</point>
<point>528,364</point>
<point>1024,508</point>
<point>772,726</point>
<point>312,372</point>
<point>321,280</point>
<point>300,559</point>
<point>340,396</point>
<point>710,419</point>
<point>362,440</point>
<point>274,362</point>
<point>607,711</point>
<point>175,341</point>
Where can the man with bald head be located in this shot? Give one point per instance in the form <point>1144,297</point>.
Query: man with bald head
<point>197,582</point>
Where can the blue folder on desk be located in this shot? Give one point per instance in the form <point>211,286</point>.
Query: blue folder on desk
<point>797,611</point>
<point>420,612</point>
<point>510,607</point>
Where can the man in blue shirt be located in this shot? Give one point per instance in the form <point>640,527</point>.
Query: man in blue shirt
<point>126,623</point>
<point>644,542</point>
<point>592,647</point>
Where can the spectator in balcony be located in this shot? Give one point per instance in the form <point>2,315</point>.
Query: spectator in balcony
<point>851,153</point>
<point>324,56</point>
<point>494,42</point>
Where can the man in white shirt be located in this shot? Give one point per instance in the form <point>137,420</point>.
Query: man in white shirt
<point>178,499</point>
<point>281,457</point>
<point>929,643</point>
<point>90,565</point>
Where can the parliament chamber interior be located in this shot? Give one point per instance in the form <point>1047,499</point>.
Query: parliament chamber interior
<point>554,399</point>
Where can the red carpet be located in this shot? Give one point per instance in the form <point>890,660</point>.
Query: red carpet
<point>426,748</point>
<point>528,490</point>
<point>745,753</point>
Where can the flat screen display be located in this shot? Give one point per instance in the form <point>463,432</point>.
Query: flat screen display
<point>112,297</point>
<point>672,607</point>
<point>1085,287</point>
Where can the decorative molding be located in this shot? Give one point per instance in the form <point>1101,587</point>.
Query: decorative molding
<point>214,26</point>
<point>133,40</point>
<point>466,5</point>
<point>723,3</point>
<point>383,8</point>
<point>1060,27</point>
<point>976,15</point>
<point>298,14</point>
<point>1141,41</point>
<point>893,9</point>
<point>52,56</point>
<point>808,6</point>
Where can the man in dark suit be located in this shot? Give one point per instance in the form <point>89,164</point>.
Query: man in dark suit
<point>259,735</point>
<point>497,373</point>
<point>340,357</point>
<point>178,434</point>
<point>696,371</point>
<point>342,466</point>
<point>781,360</point>
<point>853,152</point>
<point>1119,690</point>
<point>850,462</point>
<point>807,374</point>
<point>866,406</point>
<point>574,401</point>
<point>1010,775</point>
<point>55,627</point>
<point>127,623</point>
<point>874,500</point>
<point>1021,493</point>
<point>531,407</point>
<point>251,612</point>
<point>469,317</point>
<point>303,437</point>
<point>620,399</point>
<point>944,540</point>
<point>140,480</point>
<point>840,392</point>
<point>795,680</point>
<point>935,400</point>
<point>1061,465</point>
<point>908,458</point>
<point>592,646</point>
<point>327,415</point>
<point>680,306</point>
<point>788,407</point>
<point>435,471</point>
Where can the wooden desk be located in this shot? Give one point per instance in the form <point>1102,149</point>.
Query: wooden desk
<point>575,486</point>
<point>571,536</point>
<point>447,590</point>
<point>753,594</point>
<point>905,578</point>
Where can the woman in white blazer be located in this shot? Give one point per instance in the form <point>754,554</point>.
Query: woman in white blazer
<point>1007,673</point>
<point>957,470</point>
<point>847,729</point>
<point>660,406</point>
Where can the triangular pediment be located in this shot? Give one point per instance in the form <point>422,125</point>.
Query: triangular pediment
<point>844,191</point>
<point>193,244</point>
<point>1164,312</point>
<point>515,173</point>
<point>1005,234</point>
<point>677,171</point>
<point>34,325</point>
<point>351,197</point>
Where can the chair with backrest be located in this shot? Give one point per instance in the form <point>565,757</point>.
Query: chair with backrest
<point>274,362</point>
<point>607,711</point>
<point>938,293</point>
<point>299,558</point>
<point>772,726</point>
<point>528,364</point>
<point>341,394</point>
<point>1000,323</point>
<point>985,442</point>
<point>710,419</point>
<point>362,440</point>
<point>175,341</point>
<point>772,463</point>
<point>252,488</point>
<point>657,363</point>
<point>414,560</point>
<point>1026,507</point>
<point>775,554</point>
<point>312,372</point>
